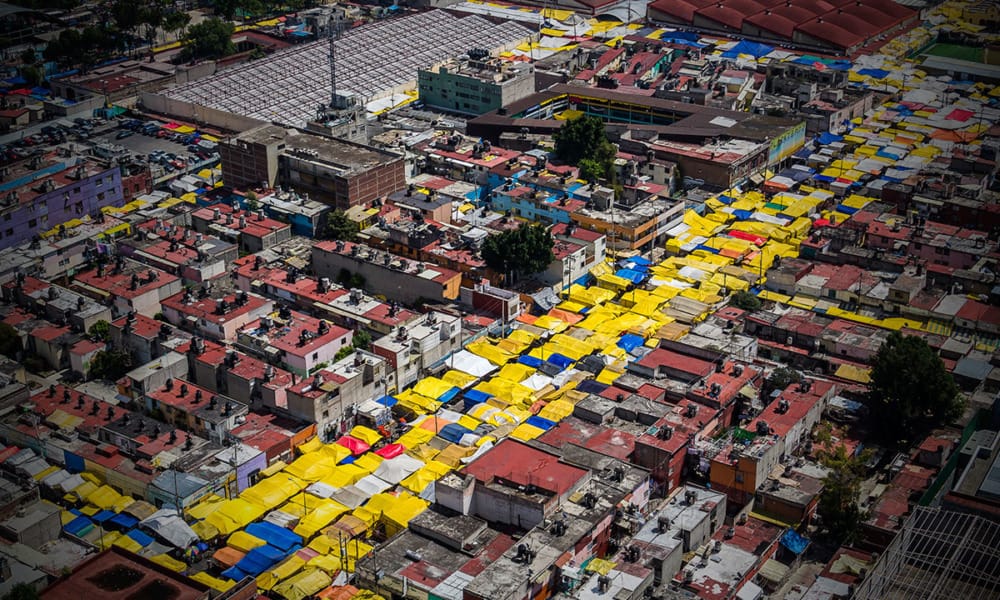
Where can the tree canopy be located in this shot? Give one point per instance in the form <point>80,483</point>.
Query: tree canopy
<point>100,331</point>
<point>22,591</point>
<point>212,38</point>
<point>110,364</point>
<point>361,339</point>
<point>745,300</point>
<point>10,341</point>
<point>583,142</point>
<point>782,377</point>
<point>838,502</point>
<point>910,389</point>
<point>521,251</point>
<point>340,227</point>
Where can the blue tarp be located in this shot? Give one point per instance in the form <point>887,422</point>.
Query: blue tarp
<point>559,360</point>
<point>348,460</point>
<point>541,423</point>
<point>638,260</point>
<point>18,80</point>
<point>752,48</point>
<point>883,153</point>
<point>824,178</point>
<point>387,401</point>
<point>124,521</point>
<point>275,535</point>
<point>828,138</point>
<point>591,386</point>
<point>78,525</point>
<point>141,538</point>
<point>742,215</point>
<point>259,560</point>
<point>449,395</point>
<point>235,574</point>
<point>633,276</point>
<point>708,249</point>
<point>453,432</point>
<point>103,516</point>
<point>847,210</point>
<point>531,361</point>
<point>876,73</point>
<point>474,397</point>
<point>630,341</point>
<point>793,541</point>
<point>725,199</point>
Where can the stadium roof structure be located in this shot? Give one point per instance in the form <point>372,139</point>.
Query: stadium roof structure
<point>373,61</point>
<point>937,555</point>
<point>839,24</point>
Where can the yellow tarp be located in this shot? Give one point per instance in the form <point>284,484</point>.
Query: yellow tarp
<point>525,432</point>
<point>171,563</point>
<point>235,514</point>
<point>244,542</point>
<point>325,513</point>
<point>314,465</point>
<point>365,434</point>
<point>219,585</point>
<point>205,530</point>
<point>303,585</point>
<point>852,373</point>
<point>415,437</point>
<point>268,579</point>
<point>343,476</point>
<point>104,497</point>
<point>271,492</point>
<point>431,387</point>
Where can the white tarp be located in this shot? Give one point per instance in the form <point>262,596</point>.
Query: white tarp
<point>167,525</point>
<point>70,483</point>
<point>537,381</point>
<point>282,519</point>
<point>371,485</point>
<point>397,469</point>
<point>53,480</point>
<point>467,362</point>
<point>321,490</point>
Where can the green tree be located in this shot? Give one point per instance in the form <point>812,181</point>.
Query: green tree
<point>252,203</point>
<point>10,341</point>
<point>175,22</point>
<point>343,353</point>
<point>745,300</point>
<point>782,377</point>
<point>33,75</point>
<point>838,502</point>
<point>212,38</point>
<point>910,389</point>
<point>22,591</point>
<point>351,280</point>
<point>126,14</point>
<point>101,331</point>
<point>590,169</point>
<point>110,364</point>
<point>29,57</point>
<point>522,251</point>
<point>361,339</point>
<point>584,139</point>
<point>340,227</point>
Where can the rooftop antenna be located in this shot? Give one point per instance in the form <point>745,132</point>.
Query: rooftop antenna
<point>335,31</point>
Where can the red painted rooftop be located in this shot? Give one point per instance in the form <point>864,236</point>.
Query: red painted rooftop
<point>521,464</point>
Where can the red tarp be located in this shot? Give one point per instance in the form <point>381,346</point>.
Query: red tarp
<point>960,114</point>
<point>390,450</point>
<point>353,444</point>
<point>750,237</point>
<point>821,222</point>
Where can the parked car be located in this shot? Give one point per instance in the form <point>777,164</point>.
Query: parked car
<point>123,134</point>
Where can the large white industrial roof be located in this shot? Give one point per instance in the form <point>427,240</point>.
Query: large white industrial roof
<point>289,86</point>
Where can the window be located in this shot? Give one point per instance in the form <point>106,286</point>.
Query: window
<point>33,223</point>
<point>6,217</point>
<point>100,196</point>
<point>315,355</point>
<point>739,477</point>
<point>326,414</point>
